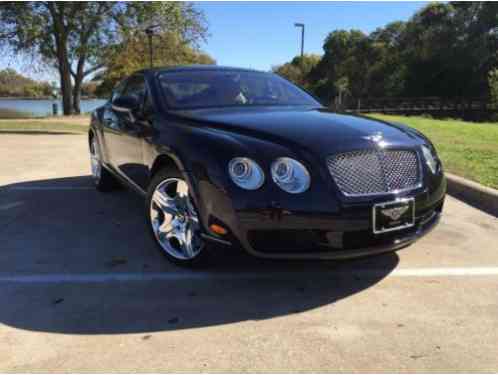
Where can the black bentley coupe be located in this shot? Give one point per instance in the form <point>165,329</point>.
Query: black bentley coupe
<point>237,157</point>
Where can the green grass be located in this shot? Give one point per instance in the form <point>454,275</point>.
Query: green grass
<point>6,113</point>
<point>76,124</point>
<point>467,149</point>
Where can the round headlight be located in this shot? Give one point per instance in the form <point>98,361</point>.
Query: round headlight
<point>430,158</point>
<point>290,175</point>
<point>246,173</point>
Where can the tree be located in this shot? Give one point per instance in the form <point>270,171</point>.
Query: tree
<point>388,73</point>
<point>493,87</point>
<point>342,88</point>
<point>298,69</point>
<point>89,89</point>
<point>74,37</point>
<point>444,49</point>
<point>127,57</point>
<point>449,48</point>
<point>16,85</point>
<point>347,58</point>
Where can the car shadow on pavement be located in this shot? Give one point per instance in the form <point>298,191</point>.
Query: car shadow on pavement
<point>53,231</point>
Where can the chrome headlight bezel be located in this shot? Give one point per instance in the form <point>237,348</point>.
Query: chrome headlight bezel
<point>290,175</point>
<point>246,173</point>
<point>430,158</point>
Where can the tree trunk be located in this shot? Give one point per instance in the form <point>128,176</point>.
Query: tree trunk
<point>77,97</point>
<point>78,80</point>
<point>56,11</point>
<point>65,78</point>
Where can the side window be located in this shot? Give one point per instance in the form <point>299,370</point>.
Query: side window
<point>136,87</point>
<point>118,90</point>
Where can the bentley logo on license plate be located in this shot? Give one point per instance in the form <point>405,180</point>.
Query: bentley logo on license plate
<point>395,215</point>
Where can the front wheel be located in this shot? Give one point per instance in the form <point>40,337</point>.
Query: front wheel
<point>174,221</point>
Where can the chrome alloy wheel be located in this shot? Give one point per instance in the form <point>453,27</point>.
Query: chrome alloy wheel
<point>95,159</point>
<point>175,222</point>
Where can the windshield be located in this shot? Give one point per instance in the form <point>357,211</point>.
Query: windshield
<point>218,88</point>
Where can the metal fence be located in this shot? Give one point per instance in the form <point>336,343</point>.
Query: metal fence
<point>476,109</point>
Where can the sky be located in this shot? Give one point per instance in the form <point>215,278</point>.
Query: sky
<point>260,35</point>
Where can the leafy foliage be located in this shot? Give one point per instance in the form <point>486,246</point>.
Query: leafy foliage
<point>89,89</point>
<point>445,49</point>
<point>13,84</point>
<point>75,37</point>
<point>493,87</point>
<point>298,69</point>
<point>133,54</point>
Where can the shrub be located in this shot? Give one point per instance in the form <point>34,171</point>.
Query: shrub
<point>493,87</point>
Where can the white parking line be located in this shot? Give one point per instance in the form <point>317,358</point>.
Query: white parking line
<point>442,272</point>
<point>156,276</point>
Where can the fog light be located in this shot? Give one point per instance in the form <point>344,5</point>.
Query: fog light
<point>218,229</point>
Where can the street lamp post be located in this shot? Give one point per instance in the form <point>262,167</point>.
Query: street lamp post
<point>301,25</point>
<point>150,32</point>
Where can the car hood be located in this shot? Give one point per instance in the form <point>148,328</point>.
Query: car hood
<point>314,129</point>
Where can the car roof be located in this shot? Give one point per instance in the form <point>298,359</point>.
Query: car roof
<point>194,68</point>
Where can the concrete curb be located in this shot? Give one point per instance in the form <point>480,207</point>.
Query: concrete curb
<point>477,195</point>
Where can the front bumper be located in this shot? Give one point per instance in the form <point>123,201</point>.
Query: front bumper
<point>314,229</point>
<point>371,246</point>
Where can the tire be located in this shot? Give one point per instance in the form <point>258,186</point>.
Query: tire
<point>173,220</point>
<point>103,179</point>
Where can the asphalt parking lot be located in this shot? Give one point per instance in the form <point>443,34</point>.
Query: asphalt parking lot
<point>83,288</point>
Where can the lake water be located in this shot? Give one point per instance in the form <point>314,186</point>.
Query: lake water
<point>37,108</point>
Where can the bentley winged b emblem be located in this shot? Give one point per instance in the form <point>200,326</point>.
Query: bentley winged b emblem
<point>395,213</point>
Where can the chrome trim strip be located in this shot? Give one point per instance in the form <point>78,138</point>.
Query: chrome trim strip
<point>211,238</point>
<point>125,179</point>
<point>426,220</point>
<point>413,188</point>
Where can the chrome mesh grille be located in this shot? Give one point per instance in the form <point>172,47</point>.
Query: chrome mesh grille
<point>374,171</point>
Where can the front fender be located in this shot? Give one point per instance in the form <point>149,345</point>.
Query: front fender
<point>203,153</point>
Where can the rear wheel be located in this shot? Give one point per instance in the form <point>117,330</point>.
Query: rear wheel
<point>102,178</point>
<point>174,220</point>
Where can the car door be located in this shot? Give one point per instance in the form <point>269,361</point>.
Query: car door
<point>110,125</point>
<point>126,136</point>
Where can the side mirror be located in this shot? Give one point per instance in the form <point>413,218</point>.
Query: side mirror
<point>126,104</point>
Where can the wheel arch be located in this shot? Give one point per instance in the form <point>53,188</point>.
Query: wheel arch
<point>165,161</point>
